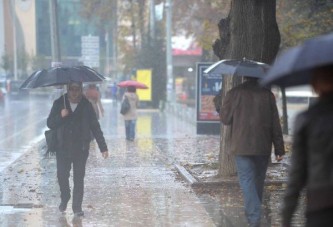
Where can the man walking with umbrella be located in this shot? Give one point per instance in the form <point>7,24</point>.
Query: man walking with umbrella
<point>73,116</point>
<point>252,113</point>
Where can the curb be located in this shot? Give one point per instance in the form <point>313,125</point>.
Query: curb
<point>186,175</point>
<point>193,182</point>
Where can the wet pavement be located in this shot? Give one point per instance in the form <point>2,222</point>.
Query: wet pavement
<point>138,185</point>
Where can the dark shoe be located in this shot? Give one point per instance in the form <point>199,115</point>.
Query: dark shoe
<point>79,214</point>
<point>62,207</point>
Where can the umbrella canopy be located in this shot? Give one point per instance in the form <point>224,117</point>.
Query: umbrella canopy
<point>235,67</point>
<point>294,66</point>
<point>132,83</point>
<point>61,75</point>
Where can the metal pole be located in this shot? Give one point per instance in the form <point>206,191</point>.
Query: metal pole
<point>114,41</point>
<point>14,39</point>
<point>169,50</point>
<point>55,47</point>
<point>133,26</point>
<point>56,56</point>
<point>107,54</point>
<point>152,19</point>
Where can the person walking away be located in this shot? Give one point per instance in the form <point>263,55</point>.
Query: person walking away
<point>114,92</point>
<point>94,96</point>
<point>73,116</point>
<point>252,113</point>
<point>312,156</point>
<point>131,116</point>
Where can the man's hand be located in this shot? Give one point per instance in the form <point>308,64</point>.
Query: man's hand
<point>278,157</point>
<point>105,154</point>
<point>64,113</point>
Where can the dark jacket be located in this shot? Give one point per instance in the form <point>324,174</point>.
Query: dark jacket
<point>252,113</point>
<point>74,131</point>
<point>312,160</point>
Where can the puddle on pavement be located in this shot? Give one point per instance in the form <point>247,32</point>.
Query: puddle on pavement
<point>218,215</point>
<point>225,206</point>
<point>11,210</point>
<point>14,208</point>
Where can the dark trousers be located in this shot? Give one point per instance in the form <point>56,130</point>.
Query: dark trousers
<point>64,165</point>
<point>323,218</point>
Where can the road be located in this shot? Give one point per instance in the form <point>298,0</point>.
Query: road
<point>23,122</point>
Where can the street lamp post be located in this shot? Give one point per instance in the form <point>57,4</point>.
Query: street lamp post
<point>170,92</point>
<point>14,38</point>
<point>152,20</point>
<point>56,56</point>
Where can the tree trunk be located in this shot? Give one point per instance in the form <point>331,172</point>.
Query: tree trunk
<point>250,31</point>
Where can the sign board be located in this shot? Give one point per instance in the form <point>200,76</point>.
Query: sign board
<point>90,50</point>
<point>144,76</point>
<point>208,121</point>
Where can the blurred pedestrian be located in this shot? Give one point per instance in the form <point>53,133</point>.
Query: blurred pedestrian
<point>114,92</point>
<point>252,113</point>
<point>94,97</point>
<point>131,116</point>
<point>73,116</point>
<point>2,97</point>
<point>312,156</point>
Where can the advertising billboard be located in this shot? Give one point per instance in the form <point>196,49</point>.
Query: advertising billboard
<point>208,86</point>
<point>144,76</point>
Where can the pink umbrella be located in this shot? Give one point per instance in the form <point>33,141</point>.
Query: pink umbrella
<point>132,83</point>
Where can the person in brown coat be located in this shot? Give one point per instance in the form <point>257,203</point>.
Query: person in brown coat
<point>252,113</point>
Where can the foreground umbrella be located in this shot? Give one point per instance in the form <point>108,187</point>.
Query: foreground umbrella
<point>132,83</point>
<point>61,75</point>
<point>294,66</point>
<point>234,67</point>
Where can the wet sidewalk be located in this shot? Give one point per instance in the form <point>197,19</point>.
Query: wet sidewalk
<point>132,188</point>
<point>137,186</point>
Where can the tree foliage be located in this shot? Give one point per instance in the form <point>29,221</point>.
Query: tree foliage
<point>39,62</point>
<point>303,19</point>
<point>297,19</point>
<point>23,60</point>
<point>7,63</point>
<point>138,48</point>
<point>130,21</point>
<point>199,19</point>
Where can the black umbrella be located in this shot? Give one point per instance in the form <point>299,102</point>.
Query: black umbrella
<point>294,66</point>
<point>61,75</point>
<point>235,67</point>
